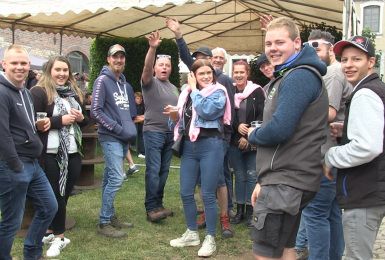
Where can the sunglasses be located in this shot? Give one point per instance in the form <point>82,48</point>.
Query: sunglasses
<point>159,56</point>
<point>316,44</point>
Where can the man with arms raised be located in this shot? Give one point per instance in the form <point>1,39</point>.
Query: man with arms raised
<point>289,141</point>
<point>20,173</point>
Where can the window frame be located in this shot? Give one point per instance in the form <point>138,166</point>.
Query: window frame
<point>380,4</point>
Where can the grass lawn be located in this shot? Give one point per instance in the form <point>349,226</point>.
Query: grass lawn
<point>146,240</point>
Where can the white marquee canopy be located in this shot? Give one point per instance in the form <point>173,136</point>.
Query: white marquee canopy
<point>231,24</point>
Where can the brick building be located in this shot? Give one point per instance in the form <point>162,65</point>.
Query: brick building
<point>43,45</point>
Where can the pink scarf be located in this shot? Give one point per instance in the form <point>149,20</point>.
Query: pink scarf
<point>238,97</point>
<point>205,92</point>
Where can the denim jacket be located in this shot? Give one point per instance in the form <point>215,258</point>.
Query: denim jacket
<point>210,109</point>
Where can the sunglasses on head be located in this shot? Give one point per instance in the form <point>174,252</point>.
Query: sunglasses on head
<point>316,44</point>
<point>159,56</point>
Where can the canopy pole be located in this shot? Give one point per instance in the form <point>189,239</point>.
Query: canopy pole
<point>13,33</point>
<point>61,42</point>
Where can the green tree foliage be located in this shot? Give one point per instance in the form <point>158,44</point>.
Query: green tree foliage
<point>306,29</point>
<point>366,32</point>
<point>136,50</point>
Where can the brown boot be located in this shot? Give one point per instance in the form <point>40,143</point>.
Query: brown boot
<point>116,223</point>
<point>227,232</point>
<point>155,215</point>
<point>167,212</point>
<point>109,231</point>
<point>201,221</point>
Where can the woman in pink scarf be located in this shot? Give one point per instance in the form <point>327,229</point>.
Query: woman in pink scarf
<point>249,102</point>
<point>204,107</point>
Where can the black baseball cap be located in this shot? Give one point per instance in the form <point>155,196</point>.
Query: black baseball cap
<point>204,50</point>
<point>359,42</point>
<point>261,59</point>
<point>116,48</point>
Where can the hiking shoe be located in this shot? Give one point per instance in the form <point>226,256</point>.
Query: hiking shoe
<point>301,253</point>
<point>109,231</point>
<point>225,226</point>
<point>167,212</point>
<point>132,169</point>
<point>208,246</point>
<point>201,221</point>
<point>116,223</point>
<point>189,238</point>
<point>57,245</point>
<point>48,239</point>
<point>155,215</point>
<point>142,156</point>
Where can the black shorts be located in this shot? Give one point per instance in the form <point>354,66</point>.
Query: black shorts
<point>275,229</point>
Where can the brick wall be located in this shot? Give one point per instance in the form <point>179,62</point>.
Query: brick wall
<point>46,45</point>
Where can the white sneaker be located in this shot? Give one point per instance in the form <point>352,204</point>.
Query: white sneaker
<point>141,156</point>
<point>56,246</point>
<point>189,238</point>
<point>208,247</point>
<point>48,239</point>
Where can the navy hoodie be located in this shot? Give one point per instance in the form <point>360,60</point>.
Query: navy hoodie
<point>113,107</point>
<point>20,140</point>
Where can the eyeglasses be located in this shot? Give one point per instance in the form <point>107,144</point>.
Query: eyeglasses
<point>159,56</point>
<point>316,44</point>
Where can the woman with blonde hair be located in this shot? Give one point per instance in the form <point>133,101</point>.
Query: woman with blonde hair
<point>58,95</point>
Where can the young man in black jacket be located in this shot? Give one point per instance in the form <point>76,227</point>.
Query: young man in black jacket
<point>20,173</point>
<point>360,159</point>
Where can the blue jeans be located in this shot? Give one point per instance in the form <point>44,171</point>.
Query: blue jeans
<point>158,159</point>
<point>203,157</point>
<point>323,224</point>
<point>14,188</point>
<point>244,165</point>
<point>114,154</point>
<point>227,175</point>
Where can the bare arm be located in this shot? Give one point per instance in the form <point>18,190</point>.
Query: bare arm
<point>148,69</point>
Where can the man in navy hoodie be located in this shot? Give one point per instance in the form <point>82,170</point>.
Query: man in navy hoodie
<point>113,107</point>
<point>20,173</point>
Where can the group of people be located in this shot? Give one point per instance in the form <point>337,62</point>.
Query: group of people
<point>315,117</point>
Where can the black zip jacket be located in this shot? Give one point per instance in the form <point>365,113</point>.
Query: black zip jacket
<point>19,138</point>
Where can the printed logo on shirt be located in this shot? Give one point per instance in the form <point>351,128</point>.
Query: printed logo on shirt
<point>121,101</point>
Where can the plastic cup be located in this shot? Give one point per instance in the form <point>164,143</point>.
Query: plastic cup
<point>40,115</point>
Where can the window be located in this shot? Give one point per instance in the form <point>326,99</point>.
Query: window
<point>78,61</point>
<point>372,18</point>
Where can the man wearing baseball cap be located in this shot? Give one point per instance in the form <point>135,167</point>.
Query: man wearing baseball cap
<point>113,108</point>
<point>360,159</point>
<point>264,65</point>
